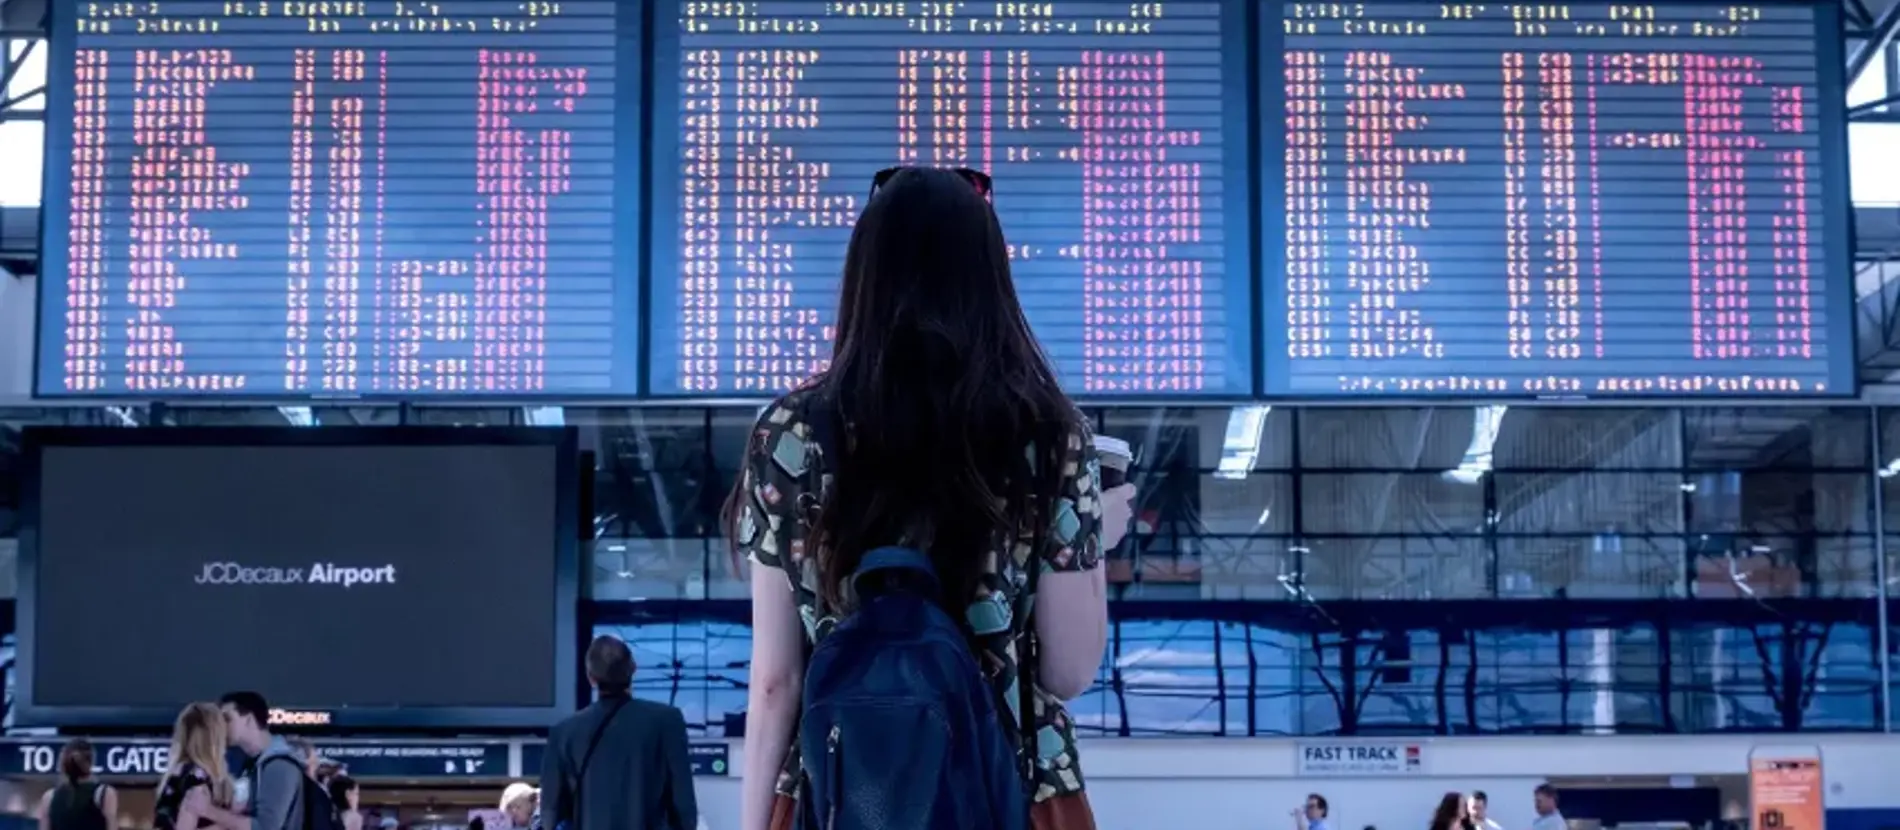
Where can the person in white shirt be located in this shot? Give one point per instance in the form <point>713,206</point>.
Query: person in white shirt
<point>1313,815</point>
<point>1480,803</point>
<point>1545,800</point>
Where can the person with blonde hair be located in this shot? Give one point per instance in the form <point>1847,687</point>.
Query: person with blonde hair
<point>196,791</point>
<point>519,802</point>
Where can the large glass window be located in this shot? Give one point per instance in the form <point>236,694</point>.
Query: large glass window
<point>1875,175</point>
<point>1436,570</point>
<point>22,133</point>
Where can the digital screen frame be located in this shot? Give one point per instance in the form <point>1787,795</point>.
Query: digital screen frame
<point>628,227</point>
<point>559,444</point>
<point>1237,202</point>
<point>1252,142</point>
<point>1836,217</point>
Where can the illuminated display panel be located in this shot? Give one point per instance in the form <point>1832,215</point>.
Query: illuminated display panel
<point>1576,199</point>
<point>1115,131</point>
<point>409,198</point>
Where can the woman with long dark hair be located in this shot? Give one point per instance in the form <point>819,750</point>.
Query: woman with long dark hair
<point>347,797</point>
<point>938,425</point>
<point>1452,813</point>
<point>80,801</point>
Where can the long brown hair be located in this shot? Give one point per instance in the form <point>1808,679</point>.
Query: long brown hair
<point>75,760</point>
<point>948,425</point>
<point>1450,810</point>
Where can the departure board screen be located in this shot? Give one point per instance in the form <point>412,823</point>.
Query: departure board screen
<point>1554,199</point>
<point>1116,133</point>
<point>314,198</point>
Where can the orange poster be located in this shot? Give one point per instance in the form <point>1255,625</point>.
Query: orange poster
<point>1786,793</point>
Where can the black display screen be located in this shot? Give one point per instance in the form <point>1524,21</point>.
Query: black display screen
<point>1561,199</point>
<point>383,584</point>
<point>1115,132</point>
<point>291,198</point>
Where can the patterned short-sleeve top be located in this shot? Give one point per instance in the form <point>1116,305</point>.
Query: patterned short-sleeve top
<point>171,796</point>
<point>783,459</point>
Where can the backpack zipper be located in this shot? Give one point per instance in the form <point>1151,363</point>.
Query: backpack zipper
<point>836,766</point>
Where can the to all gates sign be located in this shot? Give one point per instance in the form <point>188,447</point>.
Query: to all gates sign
<point>140,758</point>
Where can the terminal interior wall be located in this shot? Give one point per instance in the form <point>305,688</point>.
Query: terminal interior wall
<point>1215,784</point>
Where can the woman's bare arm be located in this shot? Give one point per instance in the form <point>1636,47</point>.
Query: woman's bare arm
<point>772,701</point>
<point>766,531</point>
<point>191,808</point>
<point>109,805</point>
<point>201,805</point>
<point>1071,606</point>
<point>44,810</point>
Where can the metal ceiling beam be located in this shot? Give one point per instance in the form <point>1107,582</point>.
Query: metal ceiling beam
<point>1870,110</point>
<point>10,63</point>
<point>1858,15</point>
<point>1877,37</point>
<point>12,107</point>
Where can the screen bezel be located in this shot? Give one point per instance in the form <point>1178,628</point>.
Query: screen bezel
<point>1837,249</point>
<point>561,442</point>
<point>1245,25</point>
<point>630,119</point>
<point>1239,76</point>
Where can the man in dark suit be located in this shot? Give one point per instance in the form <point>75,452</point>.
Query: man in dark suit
<point>619,764</point>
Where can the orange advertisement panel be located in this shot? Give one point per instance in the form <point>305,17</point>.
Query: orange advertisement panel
<point>1786,793</point>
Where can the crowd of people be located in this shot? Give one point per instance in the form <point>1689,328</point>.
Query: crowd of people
<point>279,785</point>
<point>1455,811</point>
<point>637,748</point>
<point>283,784</point>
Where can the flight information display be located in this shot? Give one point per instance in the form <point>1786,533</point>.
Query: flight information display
<point>1116,133</point>
<point>1554,199</point>
<point>290,198</point>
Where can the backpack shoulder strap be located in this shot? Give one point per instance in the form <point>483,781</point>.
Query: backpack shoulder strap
<point>296,798</point>
<point>593,743</point>
<point>891,560</point>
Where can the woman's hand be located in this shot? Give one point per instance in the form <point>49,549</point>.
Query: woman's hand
<point>1118,509</point>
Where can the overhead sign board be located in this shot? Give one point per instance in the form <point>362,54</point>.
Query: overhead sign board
<point>418,760</point>
<point>712,758</point>
<point>130,757</point>
<point>1320,759</point>
<point>144,757</point>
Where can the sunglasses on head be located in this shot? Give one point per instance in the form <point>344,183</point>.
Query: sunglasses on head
<point>977,178</point>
